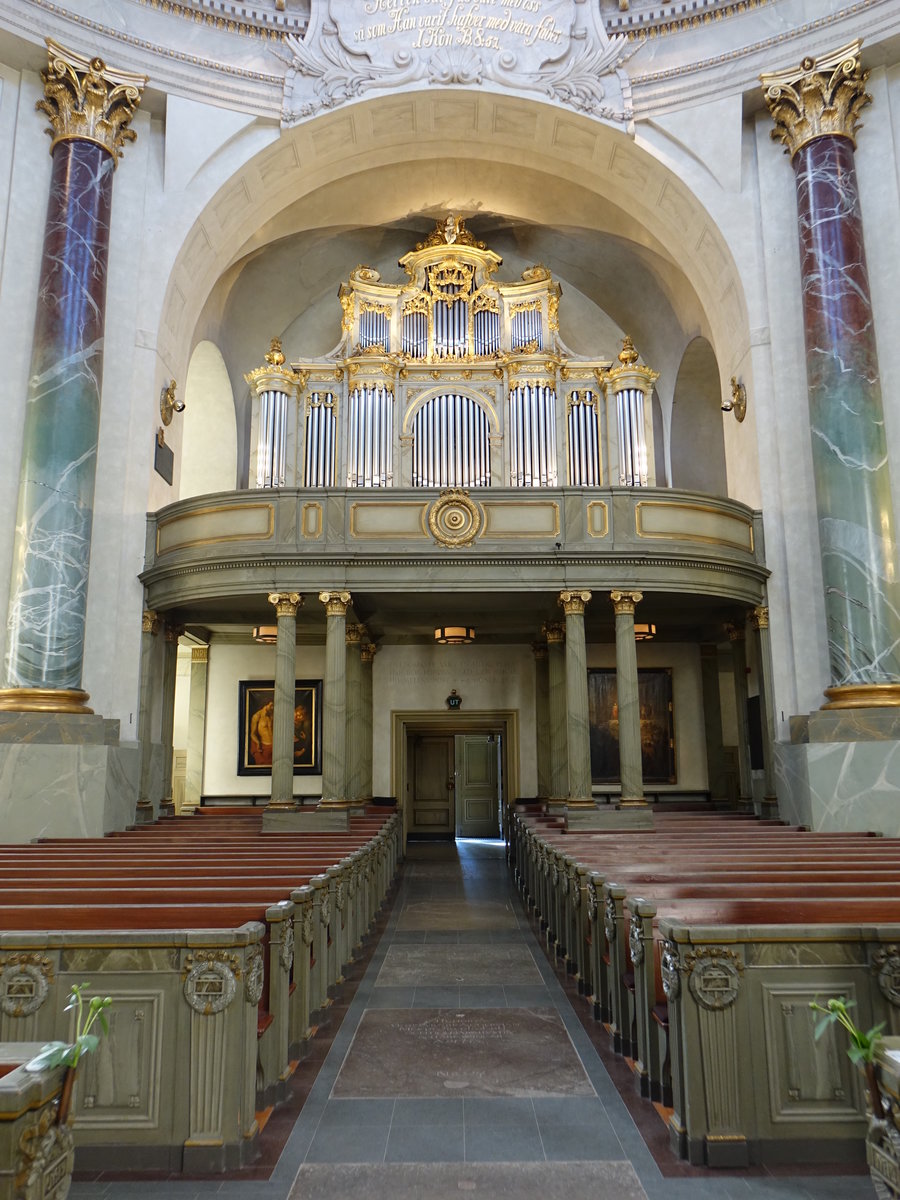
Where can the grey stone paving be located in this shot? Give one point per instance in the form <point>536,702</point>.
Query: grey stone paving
<point>537,1146</point>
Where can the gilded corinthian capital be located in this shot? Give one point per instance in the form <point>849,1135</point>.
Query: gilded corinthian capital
<point>823,96</point>
<point>86,100</point>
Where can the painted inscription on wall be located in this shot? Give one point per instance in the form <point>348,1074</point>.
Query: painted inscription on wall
<point>527,31</point>
<point>556,49</point>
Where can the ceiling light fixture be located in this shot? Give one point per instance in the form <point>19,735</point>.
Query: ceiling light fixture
<point>644,632</point>
<point>454,635</point>
<point>267,634</point>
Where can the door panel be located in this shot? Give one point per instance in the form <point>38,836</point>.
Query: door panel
<point>433,766</point>
<point>476,786</point>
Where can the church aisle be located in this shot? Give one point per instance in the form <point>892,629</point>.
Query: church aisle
<point>461,1067</point>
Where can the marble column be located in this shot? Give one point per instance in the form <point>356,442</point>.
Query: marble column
<point>736,635</point>
<point>712,722</point>
<point>555,634</point>
<point>367,653</point>
<point>149,631</point>
<point>542,717</point>
<point>759,623</point>
<point>631,768</point>
<point>577,723</point>
<point>193,774</point>
<point>816,109</point>
<point>286,605</point>
<point>89,107</point>
<point>334,701</point>
<point>355,635</point>
<point>167,728</point>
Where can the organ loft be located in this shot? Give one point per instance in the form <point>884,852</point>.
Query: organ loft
<point>454,378</point>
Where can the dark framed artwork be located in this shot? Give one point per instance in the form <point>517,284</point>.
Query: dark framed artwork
<point>657,725</point>
<point>256,700</point>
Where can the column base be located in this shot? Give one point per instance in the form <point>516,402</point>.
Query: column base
<point>556,805</point>
<point>143,813</point>
<point>167,807</point>
<point>581,802</point>
<point>336,803</point>
<point>64,700</point>
<point>631,802</point>
<point>281,806</point>
<point>863,695</point>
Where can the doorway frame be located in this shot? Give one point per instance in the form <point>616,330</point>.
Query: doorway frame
<point>406,722</point>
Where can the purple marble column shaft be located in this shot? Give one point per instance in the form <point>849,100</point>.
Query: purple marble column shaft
<point>853,498</point>
<point>48,591</point>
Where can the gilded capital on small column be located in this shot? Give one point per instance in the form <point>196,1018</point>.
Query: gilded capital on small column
<point>200,654</point>
<point>88,101</point>
<point>355,634</point>
<point>149,622</point>
<point>821,97</point>
<point>759,618</point>
<point>554,632</point>
<point>736,632</point>
<point>336,603</point>
<point>573,602</point>
<point>367,652</point>
<point>286,603</point>
<point>624,602</point>
<point>174,632</point>
<point>539,650</point>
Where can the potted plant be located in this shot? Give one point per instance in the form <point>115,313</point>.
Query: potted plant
<point>88,1015</point>
<point>862,1048</point>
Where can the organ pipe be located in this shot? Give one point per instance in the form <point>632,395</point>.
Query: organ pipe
<point>319,457</point>
<point>631,384</point>
<point>451,443</point>
<point>274,384</point>
<point>584,441</point>
<point>370,436</point>
<point>532,435</point>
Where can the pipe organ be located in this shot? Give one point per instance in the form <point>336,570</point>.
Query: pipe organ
<point>451,378</point>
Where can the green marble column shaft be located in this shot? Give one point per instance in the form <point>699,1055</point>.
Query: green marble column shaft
<point>193,774</point>
<point>631,770</point>
<point>366,723</point>
<point>759,623</point>
<point>712,722</point>
<point>334,702</point>
<point>554,632</point>
<point>167,726</point>
<point>149,632</point>
<point>736,635</point>
<point>355,635</point>
<point>577,723</point>
<point>286,605</point>
<point>542,717</point>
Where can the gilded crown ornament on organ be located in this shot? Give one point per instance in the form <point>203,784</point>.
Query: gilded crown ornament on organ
<point>84,99</point>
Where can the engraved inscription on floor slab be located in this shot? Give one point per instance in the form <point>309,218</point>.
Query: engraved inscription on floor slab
<point>461,1052</point>
<point>457,914</point>
<point>468,966</point>
<point>449,1181</point>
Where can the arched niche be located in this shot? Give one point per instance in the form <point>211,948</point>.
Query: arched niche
<point>697,441</point>
<point>209,438</point>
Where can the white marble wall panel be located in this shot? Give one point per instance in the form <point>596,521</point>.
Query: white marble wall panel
<point>842,786</point>
<point>66,791</point>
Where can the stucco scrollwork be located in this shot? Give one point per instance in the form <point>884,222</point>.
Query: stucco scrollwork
<point>286,956</point>
<point>609,919</point>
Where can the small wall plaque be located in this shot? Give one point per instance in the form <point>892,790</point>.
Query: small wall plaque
<point>164,458</point>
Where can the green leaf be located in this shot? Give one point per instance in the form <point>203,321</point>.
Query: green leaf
<point>52,1055</point>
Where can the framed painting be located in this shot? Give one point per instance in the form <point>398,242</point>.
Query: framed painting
<point>256,703</point>
<point>657,725</point>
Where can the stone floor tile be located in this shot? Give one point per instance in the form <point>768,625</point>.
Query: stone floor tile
<point>428,1112</point>
<point>426,1144</point>
<point>337,1144</point>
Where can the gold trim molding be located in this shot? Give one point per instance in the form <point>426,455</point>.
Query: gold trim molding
<point>863,695</point>
<point>61,700</point>
<point>822,97</point>
<point>87,101</point>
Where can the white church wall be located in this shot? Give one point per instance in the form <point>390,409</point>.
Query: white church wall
<point>687,704</point>
<point>228,663</point>
<point>420,678</point>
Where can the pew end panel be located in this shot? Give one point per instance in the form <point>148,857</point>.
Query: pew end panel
<point>751,1083</point>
